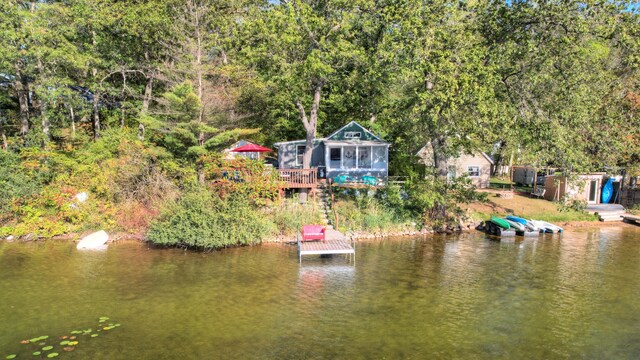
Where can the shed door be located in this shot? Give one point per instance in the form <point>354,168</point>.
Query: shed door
<point>593,191</point>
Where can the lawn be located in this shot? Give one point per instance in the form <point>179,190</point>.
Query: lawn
<point>524,206</point>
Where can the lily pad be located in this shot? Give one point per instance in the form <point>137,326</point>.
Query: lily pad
<point>73,343</point>
<point>12,356</point>
<point>52,355</point>
<point>94,335</point>
<point>36,353</point>
<point>47,348</point>
<point>64,342</point>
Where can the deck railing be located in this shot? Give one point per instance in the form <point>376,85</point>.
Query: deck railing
<point>299,178</point>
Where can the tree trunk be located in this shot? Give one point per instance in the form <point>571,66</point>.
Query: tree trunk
<point>42,107</point>
<point>148,91</point>
<point>198,54</point>
<point>5,145</point>
<point>440,157</point>
<point>96,116</point>
<point>310,127</point>
<point>22,91</point>
<point>441,162</point>
<point>140,132</point>
<point>46,124</point>
<point>73,122</point>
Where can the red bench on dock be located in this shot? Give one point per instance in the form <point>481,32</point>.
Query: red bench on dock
<point>313,232</point>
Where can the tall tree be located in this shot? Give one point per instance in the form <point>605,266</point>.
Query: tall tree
<point>300,47</point>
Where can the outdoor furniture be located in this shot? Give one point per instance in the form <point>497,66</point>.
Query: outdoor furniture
<point>342,179</point>
<point>313,232</point>
<point>369,180</point>
<point>539,192</point>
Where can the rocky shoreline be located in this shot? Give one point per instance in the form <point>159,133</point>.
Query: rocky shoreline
<point>355,235</point>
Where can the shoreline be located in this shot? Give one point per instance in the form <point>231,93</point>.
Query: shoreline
<point>355,235</point>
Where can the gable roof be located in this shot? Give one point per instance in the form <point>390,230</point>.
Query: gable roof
<point>280,143</point>
<point>487,157</point>
<point>353,126</point>
<point>422,150</point>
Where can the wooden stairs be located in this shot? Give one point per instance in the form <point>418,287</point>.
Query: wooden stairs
<point>607,212</point>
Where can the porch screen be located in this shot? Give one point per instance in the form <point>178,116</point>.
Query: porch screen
<point>349,157</point>
<point>364,157</point>
<point>379,157</point>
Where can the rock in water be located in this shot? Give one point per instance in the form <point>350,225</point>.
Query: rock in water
<point>95,241</point>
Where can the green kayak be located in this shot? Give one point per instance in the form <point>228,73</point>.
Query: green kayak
<point>500,222</point>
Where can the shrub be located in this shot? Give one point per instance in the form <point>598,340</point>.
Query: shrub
<point>568,205</point>
<point>15,182</point>
<point>200,220</point>
<point>289,218</point>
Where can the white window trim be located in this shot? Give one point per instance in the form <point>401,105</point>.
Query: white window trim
<point>469,171</point>
<point>351,135</point>
<point>298,163</point>
<point>371,149</point>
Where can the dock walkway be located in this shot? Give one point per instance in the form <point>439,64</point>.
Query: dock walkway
<point>335,243</point>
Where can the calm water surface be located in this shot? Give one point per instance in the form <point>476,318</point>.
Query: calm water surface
<point>576,296</point>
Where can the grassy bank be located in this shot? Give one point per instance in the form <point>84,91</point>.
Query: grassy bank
<point>527,207</point>
<point>372,218</point>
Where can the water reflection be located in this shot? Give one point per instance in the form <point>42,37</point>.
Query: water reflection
<point>466,296</point>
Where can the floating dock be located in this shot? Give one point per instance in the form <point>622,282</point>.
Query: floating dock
<point>631,219</point>
<point>335,243</point>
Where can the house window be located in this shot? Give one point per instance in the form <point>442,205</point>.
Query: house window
<point>474,171</point>
<point>335,154</point>
<point>352,134</point>
<point>299,154</point>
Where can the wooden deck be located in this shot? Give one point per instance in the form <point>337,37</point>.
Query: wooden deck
<point>335,243</point>
<point>299,178</point>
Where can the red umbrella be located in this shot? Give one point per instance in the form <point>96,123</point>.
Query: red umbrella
<point>251,148</point>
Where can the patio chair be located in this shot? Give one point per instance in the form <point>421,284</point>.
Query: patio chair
<point>313,232</point>
<point>539,192</point>
<point>341,179</point>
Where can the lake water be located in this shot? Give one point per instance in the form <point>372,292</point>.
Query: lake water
<point>466,296</point>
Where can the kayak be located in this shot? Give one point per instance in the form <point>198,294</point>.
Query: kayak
<point>515,225</point>
<point>607,191</point>
<point>501,223</point>
<point>548,227</point>
<point>527,223</point>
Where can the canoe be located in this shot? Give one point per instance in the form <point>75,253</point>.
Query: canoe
<point>517,219</point>
<point>516,225</point>
<point>527,223</point>
<point>501,223</point>
<point>547,227</point>
<point>607,191</point>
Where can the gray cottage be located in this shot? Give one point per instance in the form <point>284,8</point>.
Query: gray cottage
<point>352,151</point>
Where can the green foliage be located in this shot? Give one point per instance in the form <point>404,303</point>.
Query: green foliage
<point>249,178</point>
<point>575,205</point>
<point>204,221</point>
<point>15,182</point>
<point>291,215</point>
<point>423,201</point>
